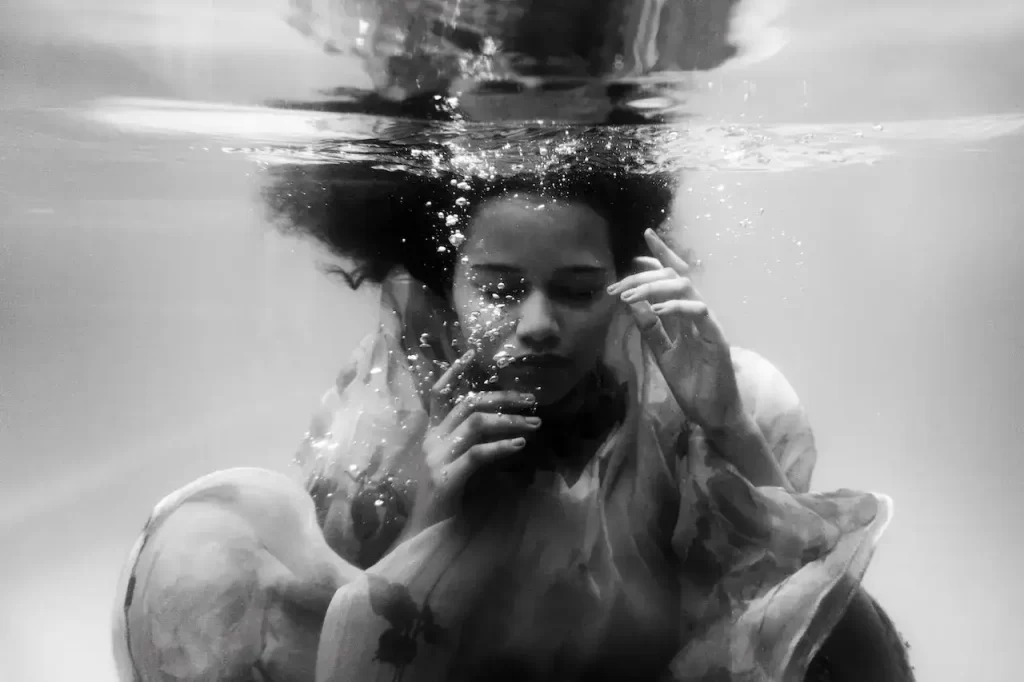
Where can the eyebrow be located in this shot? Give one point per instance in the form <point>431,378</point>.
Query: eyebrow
<point>500,269</point>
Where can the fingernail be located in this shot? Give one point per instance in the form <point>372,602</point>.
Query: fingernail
<point>530,398</point>
<point>629,296</point>
<point>658,308</point>
<point>612,288</point>
<point>518,442</point>
<point>533,421</point>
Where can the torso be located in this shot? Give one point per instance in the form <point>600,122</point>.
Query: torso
<point>593,594</point>
<point>576,604</point>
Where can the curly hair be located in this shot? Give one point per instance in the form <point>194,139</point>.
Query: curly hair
<point>377,220</point>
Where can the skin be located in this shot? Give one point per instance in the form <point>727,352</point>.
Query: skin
<point>556,264</point>
<point>532,280</point>
<point>537,278</point>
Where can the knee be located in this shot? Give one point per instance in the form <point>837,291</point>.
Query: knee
<point>192,606</point>
<point>219,561</point>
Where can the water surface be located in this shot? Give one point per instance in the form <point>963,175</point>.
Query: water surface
<point>853,193</point>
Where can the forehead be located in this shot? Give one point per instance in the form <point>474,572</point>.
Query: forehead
<point>532,233</point>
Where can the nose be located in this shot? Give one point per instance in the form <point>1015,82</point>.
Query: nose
<point>537,328</point>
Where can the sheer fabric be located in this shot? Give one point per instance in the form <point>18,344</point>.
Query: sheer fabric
<point>657,534</point>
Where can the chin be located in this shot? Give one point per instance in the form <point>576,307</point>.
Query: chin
<point>547,386</point>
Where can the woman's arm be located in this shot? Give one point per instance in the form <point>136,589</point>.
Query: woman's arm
<point>700,367</point>
<point>771,441</point>
<point>766,570</point>
<point>744,446</point>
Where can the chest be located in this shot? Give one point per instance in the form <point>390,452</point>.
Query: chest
<point>591,588</point>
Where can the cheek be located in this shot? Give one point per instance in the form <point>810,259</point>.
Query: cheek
<point>587,329</point>
<point>483,323</point>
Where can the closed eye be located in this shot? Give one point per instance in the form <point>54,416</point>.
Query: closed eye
<point>575,294</point>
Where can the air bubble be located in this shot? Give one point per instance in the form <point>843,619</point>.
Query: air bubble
<point>457,238</point>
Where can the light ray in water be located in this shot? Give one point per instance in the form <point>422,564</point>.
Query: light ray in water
<point>289,136</point>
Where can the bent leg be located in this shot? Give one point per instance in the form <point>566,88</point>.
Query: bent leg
<point>230,580</point>
<point>402,619</point>
<point>864,645</point>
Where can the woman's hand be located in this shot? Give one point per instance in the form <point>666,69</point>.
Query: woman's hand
<point>682,333</point>
<point>467,431</point>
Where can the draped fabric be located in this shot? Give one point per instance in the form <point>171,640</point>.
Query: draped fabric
<point>656,533</point>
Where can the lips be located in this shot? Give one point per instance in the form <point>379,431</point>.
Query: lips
<point>540,361</point>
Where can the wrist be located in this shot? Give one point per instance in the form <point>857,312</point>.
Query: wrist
<point>740,441</point>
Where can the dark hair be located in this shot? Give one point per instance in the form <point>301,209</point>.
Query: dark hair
<point>377,220</point>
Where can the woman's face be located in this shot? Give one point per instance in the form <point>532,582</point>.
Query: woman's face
<point>530,292</point>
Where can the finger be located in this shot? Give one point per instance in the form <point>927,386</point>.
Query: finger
<point>491,401</point>
<point>458,472</point>
<point>441,391</point>
<point>696,312</point>
<point>483,427</point>
<point>647,263</point>
<point>663,253</point>
<point>642,278</point>
<point>661,291</point>
<point>652,330</point>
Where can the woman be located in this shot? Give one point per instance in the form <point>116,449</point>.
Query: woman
<point>546,464</point>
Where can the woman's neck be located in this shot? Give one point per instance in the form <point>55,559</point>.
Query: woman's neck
<point>568,406</point>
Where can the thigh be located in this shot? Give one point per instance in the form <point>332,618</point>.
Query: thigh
<point>230,581</point>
